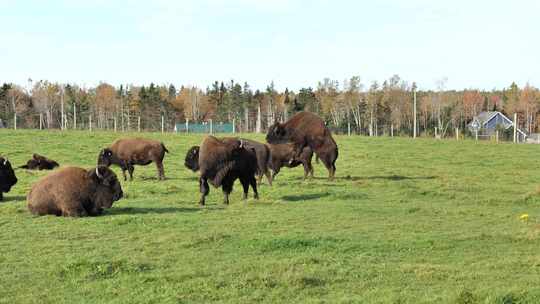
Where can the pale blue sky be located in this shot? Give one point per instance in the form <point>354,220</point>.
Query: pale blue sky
<point>476,44</point>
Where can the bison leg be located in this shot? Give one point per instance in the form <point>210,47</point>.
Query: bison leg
<point>77,211</point>
<point>308,168</point>
<point>253,183</point>
<point>204,189</point>
<point>227,186</point>
<point>130,170</point>
<point>161,171</point>
<point>269,177</point>
<point>245,186</point>
<point>124,168</point>
<point>328,163</point>
<point>275,172</point>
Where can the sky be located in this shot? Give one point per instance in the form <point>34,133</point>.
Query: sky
<point>295,43</point>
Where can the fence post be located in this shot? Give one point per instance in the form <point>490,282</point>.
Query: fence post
<point>497,136</point>
<point>74,117</point>
<point>115,124</point>
<point>139,124</point>
<point>162,124</point>
<point>234,125</point>
<point>476,134</point>
<point>15,121</point>
<point>349,128</point>
<point>436,132</point>
<point>41,121</point>
<point>211,127</point>
<point>457,133</point>
<point>515,127</point>
<point>90,122</point>
<point>392,130</point>
<point>187,125</point>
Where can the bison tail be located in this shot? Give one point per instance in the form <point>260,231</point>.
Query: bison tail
<point>164,149</point>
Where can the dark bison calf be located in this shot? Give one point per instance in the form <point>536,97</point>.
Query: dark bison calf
<point>7,177</point>
<point>40,162</point>
<point>128,152</point>
<point>307,129</point>
<point>75,192</point>
<point>221,162</point>
<point>284,155</point>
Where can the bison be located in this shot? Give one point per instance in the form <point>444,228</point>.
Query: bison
<point>134,151</point>
<point>75,192</point>
<point>40,162</point>
<point>221,162</point>
<point>284,155</point>
<point>261,151</point>
<point>307,129</point>
<point>7,177</point>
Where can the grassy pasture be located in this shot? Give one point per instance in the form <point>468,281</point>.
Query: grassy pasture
<point>405,221</point>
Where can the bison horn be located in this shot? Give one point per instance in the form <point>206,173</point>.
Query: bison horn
<point>97,173</point>
<point>5,161</point>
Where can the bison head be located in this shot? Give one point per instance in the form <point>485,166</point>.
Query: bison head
<point>7,175</point>
<point>108,189</point>
<point>277,134</point>
<point>105,157</point>
<point>192,159</point>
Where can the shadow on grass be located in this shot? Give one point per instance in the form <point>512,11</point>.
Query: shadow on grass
<point>393,177</point>
<point>138,210</point>
<point>304,197</point>
<point>154,178</point>
<point>9,198</point>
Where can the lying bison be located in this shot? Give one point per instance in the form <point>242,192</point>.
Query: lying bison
<point>284,155</point>
<point>75,192</point>
<point>7,177</point>
<point>134,151</point>
<point>221,162</point>
<point>307,129</point>
<point>40,162</point>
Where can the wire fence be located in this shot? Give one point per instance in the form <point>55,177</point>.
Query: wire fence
<point>250,123</point>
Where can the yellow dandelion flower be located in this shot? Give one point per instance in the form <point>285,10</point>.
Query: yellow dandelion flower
<point>524,217</point>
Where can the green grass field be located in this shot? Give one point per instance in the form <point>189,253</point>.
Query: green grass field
<point>405,221</point>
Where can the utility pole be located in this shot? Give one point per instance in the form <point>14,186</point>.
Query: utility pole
<point>414,109</point>
<point>515,127</point>
<point>62,108</point>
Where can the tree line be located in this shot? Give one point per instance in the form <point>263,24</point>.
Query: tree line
<point>374,109</point>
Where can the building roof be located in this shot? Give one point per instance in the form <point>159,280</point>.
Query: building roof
<point>483,118</point>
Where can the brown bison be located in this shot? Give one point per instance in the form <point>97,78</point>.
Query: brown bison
<point>261,151</point>
<point>221,162</point>
<point>75,192</point>
<point>40,162</point>
<point>307,129</point>
<point>284,155</point>
<point>7,177</point>
<point>128,152</point>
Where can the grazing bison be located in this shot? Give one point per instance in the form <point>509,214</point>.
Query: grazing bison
<point>284,155</point>
<point>307,129</point>
<point>221,162</point>
<point>261,152</point>
<point>7,177</point>
<point>39,162</point>
<point>134,151</point>
<point>75,192</point>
